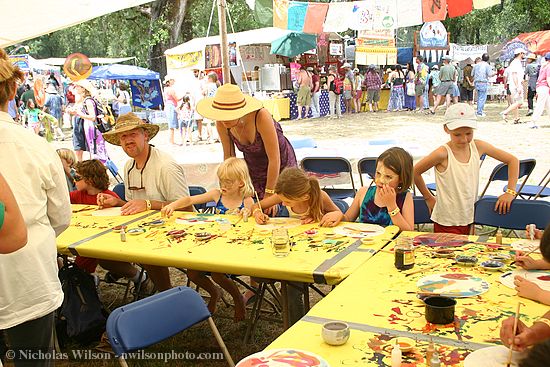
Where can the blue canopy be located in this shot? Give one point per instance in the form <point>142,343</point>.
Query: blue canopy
<point>124,72</point>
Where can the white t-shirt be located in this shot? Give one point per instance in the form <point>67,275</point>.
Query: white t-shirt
<point>163,179</point>
<point>516,68</point>
<point>29,286</point>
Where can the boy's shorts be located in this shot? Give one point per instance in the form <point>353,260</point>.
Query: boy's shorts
<point>438,228</point>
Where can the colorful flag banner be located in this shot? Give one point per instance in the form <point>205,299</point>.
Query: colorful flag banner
<point>315,18</point>
<point>146,93</point>
<point>409,13</point>
<point>362,16</point>
<point>297,15</point>
<point>263,12</point>
<point>482,4</point>
<point>338,17</point>
<point>280,14</point>
<point>457,8</point>
<point>433,10</point>
<point>385,14</point>
<point>433,34</point>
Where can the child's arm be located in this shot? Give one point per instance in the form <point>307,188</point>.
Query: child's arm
<point>212,195</point>
<point>405,218</point>
<point>504,201</point>
<point>353,211</point>
<point>435,158</point>
<point>266,203</point>
<point>530,290</point>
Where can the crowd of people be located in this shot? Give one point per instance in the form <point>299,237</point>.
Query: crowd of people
<point>37,185</point>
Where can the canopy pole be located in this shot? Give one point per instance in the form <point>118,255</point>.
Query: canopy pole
<point>223,39</point>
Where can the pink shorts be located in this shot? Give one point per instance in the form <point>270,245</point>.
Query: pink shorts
<point>358,94</point>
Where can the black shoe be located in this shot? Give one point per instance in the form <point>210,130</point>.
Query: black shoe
<point>111,277</point>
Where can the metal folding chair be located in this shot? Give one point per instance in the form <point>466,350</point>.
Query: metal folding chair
<point>146,322</point>
<point>522,213</point>
<point>330,167</point>
<point>341,204</point>
<point>120,190</point>
<point>421,211</point>
<point>534,191</point>
<point>111,166</point>
<point>367,166</point>
<point>500,173</point>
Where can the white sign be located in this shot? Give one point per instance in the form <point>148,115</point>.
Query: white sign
<point>462,52</point>
<point>336,49</point>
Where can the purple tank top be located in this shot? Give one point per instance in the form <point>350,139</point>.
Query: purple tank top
<point>255,156</point>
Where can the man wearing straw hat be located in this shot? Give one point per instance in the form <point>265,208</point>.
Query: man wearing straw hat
<point>152,178</point>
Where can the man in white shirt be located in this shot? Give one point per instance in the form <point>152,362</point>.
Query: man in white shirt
<point>152,178</point>
<point>515,76</point>
<point>30,291</point>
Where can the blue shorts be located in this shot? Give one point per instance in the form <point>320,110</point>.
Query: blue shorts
<point>171,116</point>
<point>79,139</point>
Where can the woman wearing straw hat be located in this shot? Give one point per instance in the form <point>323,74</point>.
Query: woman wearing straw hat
<point>241,121</point>
<point>85,110</point>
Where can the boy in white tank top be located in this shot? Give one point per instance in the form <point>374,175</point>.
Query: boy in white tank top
<point>456,166</point>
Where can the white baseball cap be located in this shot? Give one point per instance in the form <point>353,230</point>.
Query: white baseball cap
<point>460,115</point>
<point>518,51</point>
<point>346,65</point>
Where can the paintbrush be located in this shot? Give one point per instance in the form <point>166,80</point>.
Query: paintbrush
<point>509,363</point>
<point>422,269</point>
<point>358,230</point>
<point>237,222</point>
<point>527,254</point>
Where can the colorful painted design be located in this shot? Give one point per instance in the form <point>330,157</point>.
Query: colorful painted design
<point>441,240</point>
<point>539,277</point>
<point>283,358</point>
<point>456,285</point>
<point>526,245</point>
<point>359,230</point>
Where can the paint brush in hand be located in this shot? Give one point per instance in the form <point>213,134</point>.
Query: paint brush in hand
<point>509,363</point>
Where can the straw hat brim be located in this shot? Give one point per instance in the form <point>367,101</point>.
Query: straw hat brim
<point>206,109</point>
<point>113,136</point>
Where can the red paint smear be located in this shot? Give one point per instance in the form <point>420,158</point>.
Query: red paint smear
<point>544,277</point>
<point>397,310</point>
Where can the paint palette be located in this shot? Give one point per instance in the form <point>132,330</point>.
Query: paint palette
<point>136,231</point>
<point>456,285</point>
<point>496,356</point>
<point>492,265</point>
<point>526,245</point>
<point>359,230</point>
<point>539,277</point>
<point>283,358</point>
<point>193,220</point>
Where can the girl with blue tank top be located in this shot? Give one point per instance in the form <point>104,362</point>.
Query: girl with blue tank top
<point>389,201</point>
<point>233,197</point>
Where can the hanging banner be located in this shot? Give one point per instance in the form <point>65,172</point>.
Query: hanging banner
<point>482,4</point>
<point>146,93</point>
<point>297,15</point>
<point>433,34</point>
<point>433,10</point>
<point>362,15</point>
<point>409,13</point>
<point>315,18</point>
<point>385,14</point>
<point>462,52</point>
<point>336,49</point>
<point>338,17</point>
<point>280,14</point>
<point>21,61</point>
<point>212,56</point>
<point>183,61</point>
<point>457,8</point>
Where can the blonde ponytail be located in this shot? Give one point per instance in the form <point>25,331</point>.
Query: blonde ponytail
<point>9,76</point>
<point>315,209</point>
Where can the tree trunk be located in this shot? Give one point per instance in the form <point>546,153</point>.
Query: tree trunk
<point>172,14</point>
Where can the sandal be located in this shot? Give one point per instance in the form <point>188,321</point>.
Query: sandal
<point>504,116</point>
<point>430,112</point>
<point>517,121</point>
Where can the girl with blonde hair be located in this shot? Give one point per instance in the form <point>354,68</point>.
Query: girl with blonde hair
<point>233,197</point>
<point>302,197</point>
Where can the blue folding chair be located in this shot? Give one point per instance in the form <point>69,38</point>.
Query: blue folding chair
<point>151,320</point>
<point>500,173</point>
<point>421,211</point>
<point>522,213</point>
<point>198,190</point>
<point>367,166</point>
<point>330,167</point>
<point>120,190</point>
<point>111,166</point>
<point>341,204</point>
<point>534,191</point>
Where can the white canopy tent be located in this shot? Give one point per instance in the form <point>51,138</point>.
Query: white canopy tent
<point>28,19</point>
<point>94,60</point>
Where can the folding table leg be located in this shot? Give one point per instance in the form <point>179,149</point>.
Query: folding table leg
<point>284,295</point>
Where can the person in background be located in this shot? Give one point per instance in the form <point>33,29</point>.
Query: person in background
<point>185,116</point>
<point>456,167</point>
<point>543,93</point>
<point>410,89</point>
<point>304,92</point>
<point>30,292</point>
<point>315,92</point>
<point>373,84</point>
<point>210,88</point>
<point>467,85</point>
<point>482,72</point>
<point>421,76</point>
<point>532,73</point>
<point>124,99</point>
<point>445,90</point>
<point>334,95</point>
<point>197,88</point>
<point>357,87</point>
<point>348,86</point>
<point>171,102</point>
<point>13,231</point>
<point>13,111</point>
<point>515,75</point>
<point>397,95</point>
<point>434,81</point>
<point>31,116</point>
<point>54,103</point>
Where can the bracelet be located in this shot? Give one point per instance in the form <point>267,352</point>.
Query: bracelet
<point>269,191</point>
<point>2,211</point>
<point>544,321</point>
<point>148,202</point>
<point>394,212</point>
<point>256,210</point>
<point>512,192</point>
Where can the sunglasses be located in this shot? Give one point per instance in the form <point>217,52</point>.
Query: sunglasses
<point>77,177</point>
<point>136,188</point>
